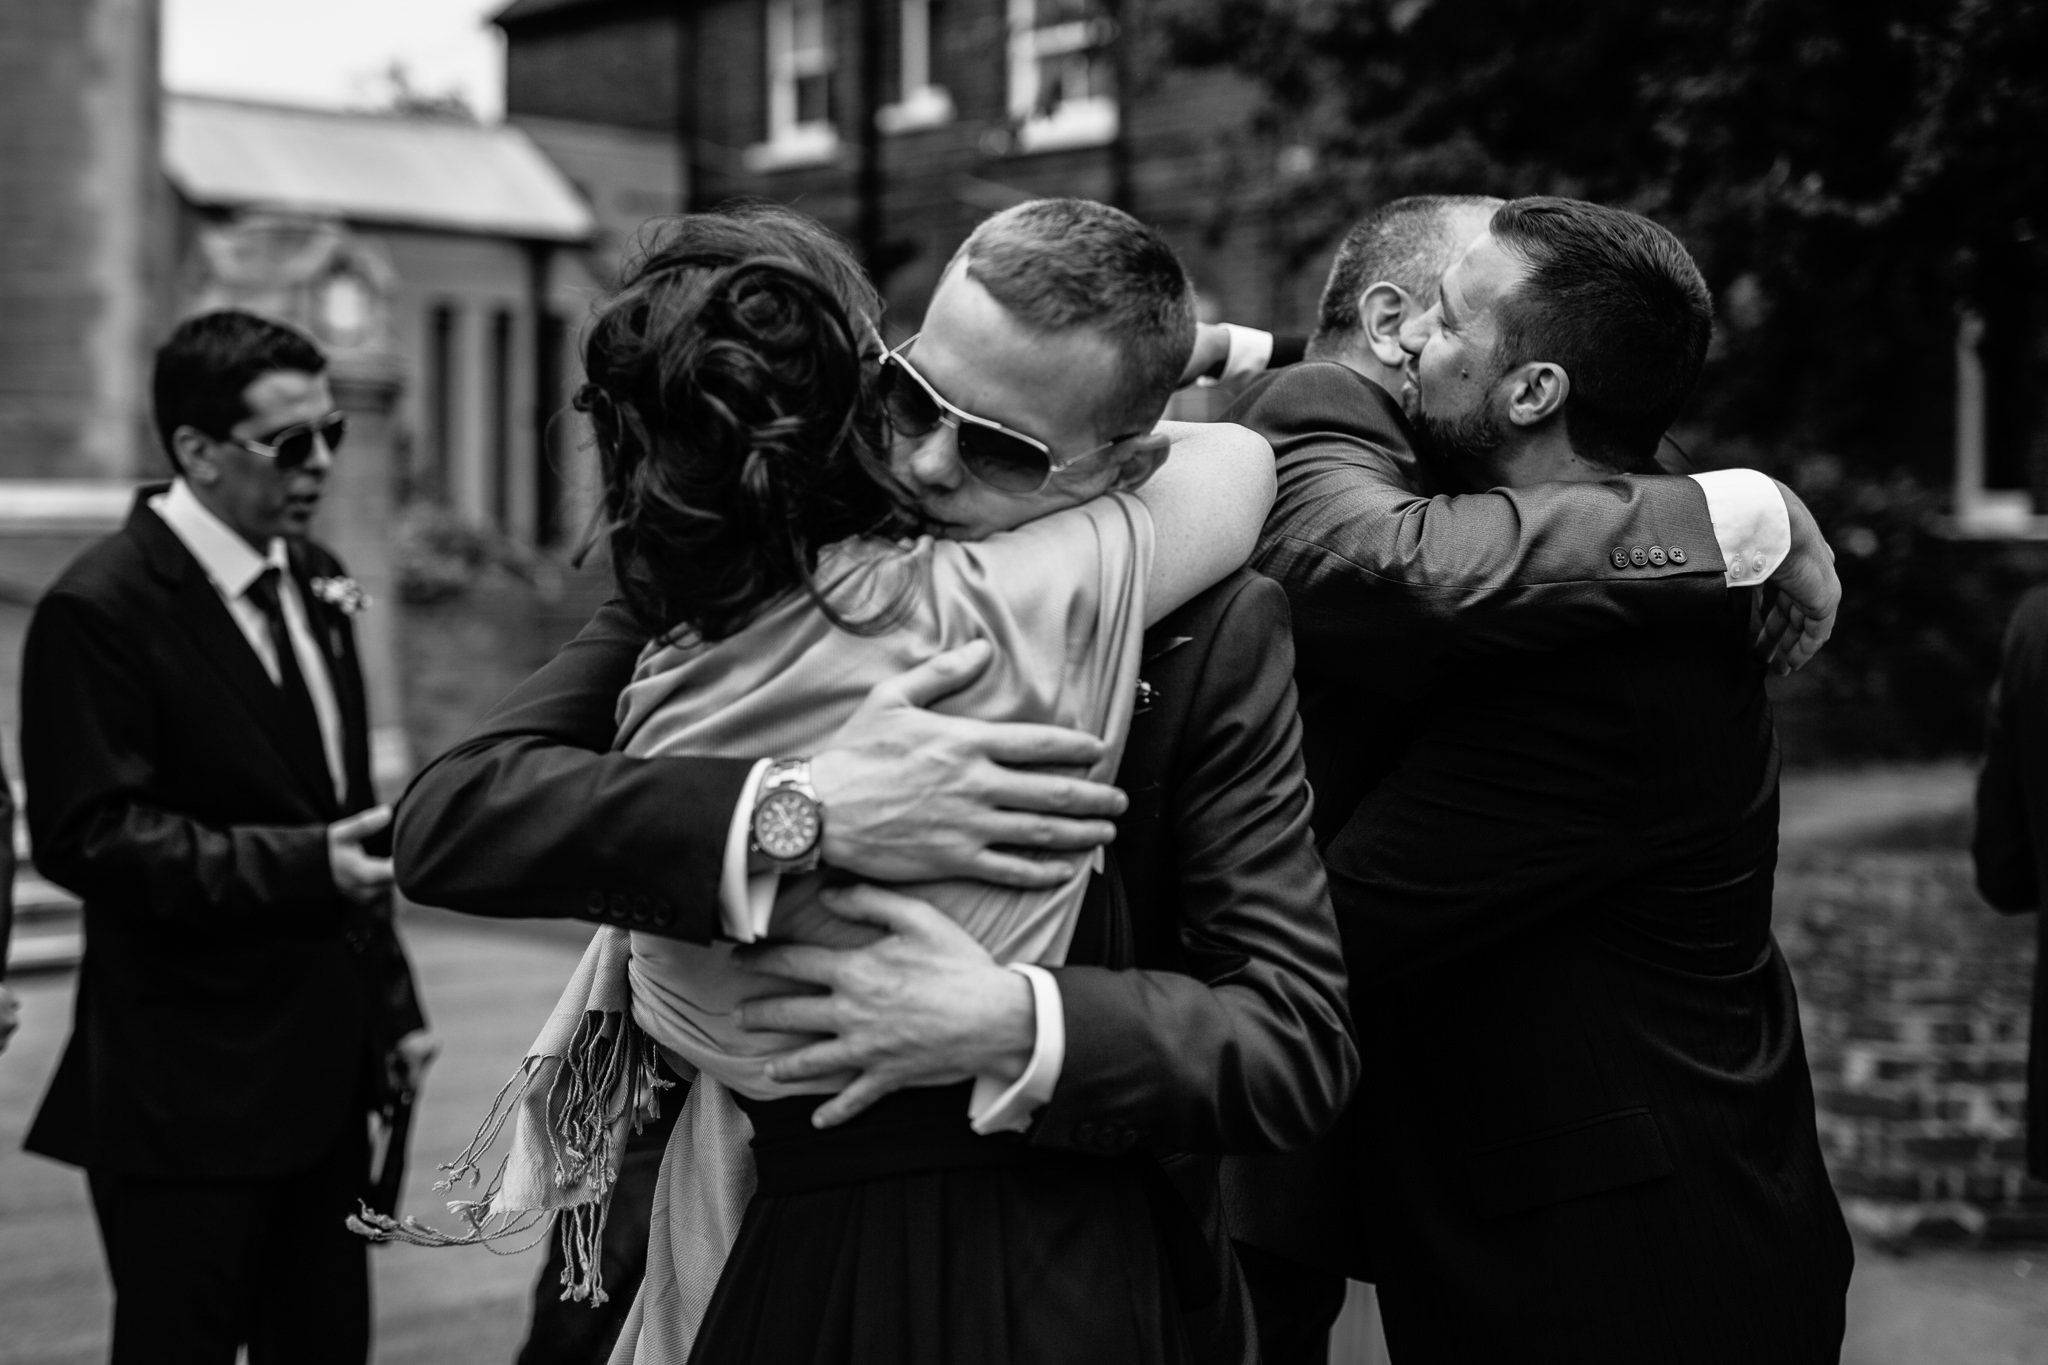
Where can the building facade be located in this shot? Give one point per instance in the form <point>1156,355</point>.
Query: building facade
<point>471,243</point>
<point>902,123</point>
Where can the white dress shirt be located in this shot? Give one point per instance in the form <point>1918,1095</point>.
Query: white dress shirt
<point>233,566</point>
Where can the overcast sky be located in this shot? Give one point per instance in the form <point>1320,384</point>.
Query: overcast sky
<point>329,53</point>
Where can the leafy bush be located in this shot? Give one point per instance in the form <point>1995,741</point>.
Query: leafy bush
<point>1911,662</point>
<point>439,556</point>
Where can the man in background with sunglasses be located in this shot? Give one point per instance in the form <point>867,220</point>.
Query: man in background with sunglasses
<point>196,753</point>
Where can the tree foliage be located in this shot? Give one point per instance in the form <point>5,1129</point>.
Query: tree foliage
<point>1848,172</point>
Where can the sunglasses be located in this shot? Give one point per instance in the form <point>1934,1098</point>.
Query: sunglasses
<point>1007,461</point>
<point>292,446</point>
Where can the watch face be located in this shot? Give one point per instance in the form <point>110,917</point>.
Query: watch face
<point>786,824</point>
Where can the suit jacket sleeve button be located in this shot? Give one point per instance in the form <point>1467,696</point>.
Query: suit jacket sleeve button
<point>1677,555</point>
<point>1639,556</point>
<point>1620,558</point>
<point>596,903</point>
<point>1657,555</point>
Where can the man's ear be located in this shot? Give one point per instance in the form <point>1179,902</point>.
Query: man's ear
<point>1536,393</point>
<point>1139,459</point>
<point>1382,308</point>
<point>195,456</point>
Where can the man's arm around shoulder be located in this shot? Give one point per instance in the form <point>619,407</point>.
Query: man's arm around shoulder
<point>1375,560</point>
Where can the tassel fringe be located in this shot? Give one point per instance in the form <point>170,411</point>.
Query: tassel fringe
<point>607,1053</point>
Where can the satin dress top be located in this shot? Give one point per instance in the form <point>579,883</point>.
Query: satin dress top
<point>1061,599</point>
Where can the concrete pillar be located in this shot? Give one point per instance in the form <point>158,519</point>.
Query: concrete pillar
<point>356,522</point>
<point>87,231</point>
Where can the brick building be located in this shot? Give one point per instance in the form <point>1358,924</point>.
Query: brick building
<point>83,273</point>
<point>971,105</point>
<point>478,243</point>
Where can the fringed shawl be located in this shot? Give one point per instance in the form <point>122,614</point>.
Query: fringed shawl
<point>1062,601</point>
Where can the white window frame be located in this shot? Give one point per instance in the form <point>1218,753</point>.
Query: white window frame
<point>1088,121</point>
<point>919,102</point>
<point>790,142</point>
<point>1981,512</point>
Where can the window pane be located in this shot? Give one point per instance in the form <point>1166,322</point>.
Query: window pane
<point>813,99</point>
<point>1070,76</point>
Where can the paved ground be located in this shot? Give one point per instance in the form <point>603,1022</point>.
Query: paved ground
<point>489,985</point>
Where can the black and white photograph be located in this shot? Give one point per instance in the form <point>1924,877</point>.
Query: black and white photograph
<point>1023,682</point>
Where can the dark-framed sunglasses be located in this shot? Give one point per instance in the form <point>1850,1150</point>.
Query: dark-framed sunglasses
<point>1007,461</point>
<point>292,446</point>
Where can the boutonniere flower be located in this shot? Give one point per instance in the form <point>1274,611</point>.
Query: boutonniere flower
<point>345,595</point>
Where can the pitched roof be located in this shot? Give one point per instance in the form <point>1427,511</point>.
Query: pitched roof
<point>370,168</point>
<point>520,10</point>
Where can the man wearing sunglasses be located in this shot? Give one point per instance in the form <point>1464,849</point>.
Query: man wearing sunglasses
<point>196,753</point>
<point>1201,1007</point>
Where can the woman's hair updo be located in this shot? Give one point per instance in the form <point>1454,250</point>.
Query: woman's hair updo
<point>736,424</point>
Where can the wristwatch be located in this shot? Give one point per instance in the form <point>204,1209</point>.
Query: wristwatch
<point>788,828</point>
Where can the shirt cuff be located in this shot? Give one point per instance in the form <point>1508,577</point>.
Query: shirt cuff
<point>1250,350</point>
<point>994,1108</point>
<point>745,902</point>
<point>1750,522</point>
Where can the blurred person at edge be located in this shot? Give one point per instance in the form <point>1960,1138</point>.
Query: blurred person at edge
<point>2011,840</point>
<point>196,749</point>
<point>10,1004</point>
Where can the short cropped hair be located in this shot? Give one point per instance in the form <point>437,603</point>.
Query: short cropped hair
<point>1061,264</point>
<point>1618,303</point>
<point>1404,242</point>
<point>210,360</point>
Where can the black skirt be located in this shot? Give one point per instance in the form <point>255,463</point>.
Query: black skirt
<point>903,1238</point>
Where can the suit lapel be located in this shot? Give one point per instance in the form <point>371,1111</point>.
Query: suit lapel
<point>198,608</point>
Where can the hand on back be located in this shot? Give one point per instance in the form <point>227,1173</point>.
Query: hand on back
<point>1802,597</point>
<point>912,795</point>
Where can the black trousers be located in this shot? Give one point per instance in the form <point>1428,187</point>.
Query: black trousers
<point>201,1268</point>
<point>1295,1306</point>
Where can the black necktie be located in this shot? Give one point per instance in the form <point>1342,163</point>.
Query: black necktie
<point>300,717</point>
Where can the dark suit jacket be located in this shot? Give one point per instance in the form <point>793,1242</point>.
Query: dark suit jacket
<point>1594,1119</point>
<point>1388,578</point>
<point>1230,1035</point>
<point>530,815</point>
<point>1586,1106</point>
<point>6,870</point>
<point>2011,843</point>
<point>233,1008</point>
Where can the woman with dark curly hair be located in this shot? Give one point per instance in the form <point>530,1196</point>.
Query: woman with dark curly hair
<point>760,453</point>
